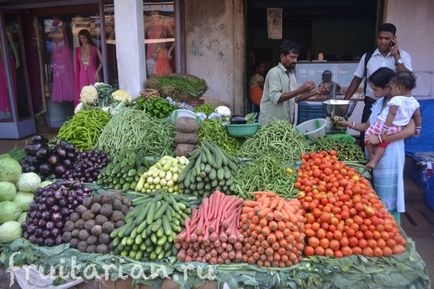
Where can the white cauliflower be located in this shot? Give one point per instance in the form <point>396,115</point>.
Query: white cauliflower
<point>223,111</point>
<point>88,95</point>
<point>78,107</point>
<point>121,96</point>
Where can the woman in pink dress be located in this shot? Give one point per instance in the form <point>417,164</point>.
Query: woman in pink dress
<point>157,54</point>
<point>87,57</point>
<point>63,71</point>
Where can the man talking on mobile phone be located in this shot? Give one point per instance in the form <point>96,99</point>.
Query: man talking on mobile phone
<point>388,55</point>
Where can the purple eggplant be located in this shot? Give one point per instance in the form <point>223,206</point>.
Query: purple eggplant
<point>53,160</point>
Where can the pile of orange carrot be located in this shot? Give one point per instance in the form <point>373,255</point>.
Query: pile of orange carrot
<point>212,233</point>
<point>273,230</point>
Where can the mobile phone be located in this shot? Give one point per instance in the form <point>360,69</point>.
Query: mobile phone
<point>392,43</point>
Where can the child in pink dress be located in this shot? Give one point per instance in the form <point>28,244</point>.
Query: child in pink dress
<point>395,115</point>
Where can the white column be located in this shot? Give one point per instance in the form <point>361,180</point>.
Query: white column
<point>130,47</point>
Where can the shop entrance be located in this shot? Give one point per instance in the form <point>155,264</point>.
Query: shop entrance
<point>52,47</point>
<point>330,32</point>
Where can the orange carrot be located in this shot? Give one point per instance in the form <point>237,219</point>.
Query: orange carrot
<point>256,256</point>
<point>266,203</point>
<point>264,244</point>
<point>247,209</point>
<point>278,215</point>
<point>270,216</point>
<point>279,235</point>
<point>268,194</point>
<point>286,232</point>
<point>263,212</point>
<point>281,251</point>
<point>263,222</point>
<point>250,204</point>
<point>280,225</point>
<point>276,256</point>
<point>269,251</point>
<point>274,202</point>
<point>266,231</point>
<point>272,225</point>
<point>271,238</point>
<point>255,220</point>
<point>258,229</point>
<point>280,204</point>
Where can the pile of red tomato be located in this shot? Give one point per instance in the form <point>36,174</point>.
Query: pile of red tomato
<point>343,214</point>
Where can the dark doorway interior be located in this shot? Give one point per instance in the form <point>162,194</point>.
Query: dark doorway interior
<point>339,30</point>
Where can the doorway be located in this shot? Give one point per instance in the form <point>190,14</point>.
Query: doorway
<point>336,31</point>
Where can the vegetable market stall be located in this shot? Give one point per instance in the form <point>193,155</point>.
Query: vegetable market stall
<point>275,210</point>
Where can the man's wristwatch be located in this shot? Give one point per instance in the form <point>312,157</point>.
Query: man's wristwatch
<point>399,61</point>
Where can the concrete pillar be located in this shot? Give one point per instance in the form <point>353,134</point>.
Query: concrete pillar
<point>240,73</point>
<point>130,47</point>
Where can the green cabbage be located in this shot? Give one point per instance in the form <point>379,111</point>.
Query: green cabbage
<point>22,218</point>
<point>10,170</point>
<point>10,231</point>
<point>23,200</point>
<point>9,211</point>
<point>7,191</point>
<point>28,182</point>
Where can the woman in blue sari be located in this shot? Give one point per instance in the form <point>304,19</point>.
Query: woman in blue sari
<point>388,175</point>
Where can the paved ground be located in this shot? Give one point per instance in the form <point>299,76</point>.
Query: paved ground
<point>418,221</point>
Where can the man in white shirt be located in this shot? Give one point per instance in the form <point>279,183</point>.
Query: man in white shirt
<point>388,55</point>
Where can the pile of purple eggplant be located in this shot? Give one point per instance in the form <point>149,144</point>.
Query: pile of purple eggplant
<point>50,209</point>
<point>49,161</point>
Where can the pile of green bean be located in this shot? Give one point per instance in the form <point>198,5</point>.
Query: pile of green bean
<point>278,139</point>
<point>134,129</point>
<point>265,174</point>
<point>84,128</point>
<point>212,130</point>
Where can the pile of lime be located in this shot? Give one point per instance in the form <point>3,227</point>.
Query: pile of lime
<point>158,107</point>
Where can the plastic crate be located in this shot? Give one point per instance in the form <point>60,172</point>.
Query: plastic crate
<point>308,111</point>
<point>429,193</point>
<point>419,173</point>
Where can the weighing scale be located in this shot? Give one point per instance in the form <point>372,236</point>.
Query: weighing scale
<point>338,108</point>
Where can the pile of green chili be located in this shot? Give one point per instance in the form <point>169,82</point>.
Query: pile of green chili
<point>345,151</point>
<point>212,130</point>
<point>84,128</point>
<point>134,129</point>
<point>279,140</point>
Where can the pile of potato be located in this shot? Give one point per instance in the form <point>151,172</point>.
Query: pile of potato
<point>89,226</point>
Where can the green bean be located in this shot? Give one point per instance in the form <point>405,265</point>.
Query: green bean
<point>134,129</point>
<point>279,140</point>
<point>264,174</point>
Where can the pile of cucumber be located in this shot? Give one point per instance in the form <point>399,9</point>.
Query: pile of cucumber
<point>125,170</point>
<point>209,169</point>
<point>151,226</point>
